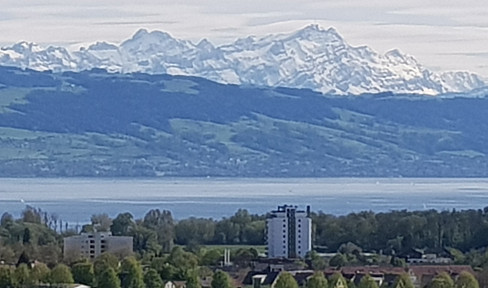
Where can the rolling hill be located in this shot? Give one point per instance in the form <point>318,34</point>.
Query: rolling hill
<point>94,123</point>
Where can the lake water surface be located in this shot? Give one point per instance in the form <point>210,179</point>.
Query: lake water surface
<point>75,200</point>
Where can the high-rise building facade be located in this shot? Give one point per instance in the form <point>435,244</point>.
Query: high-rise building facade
<point>289,232</point>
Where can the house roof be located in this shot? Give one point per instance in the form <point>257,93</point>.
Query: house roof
<point>371,270</point>
<point>301,277</point>
<point>420,270</point>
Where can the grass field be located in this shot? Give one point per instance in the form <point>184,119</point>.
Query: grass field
<point>260,248</point>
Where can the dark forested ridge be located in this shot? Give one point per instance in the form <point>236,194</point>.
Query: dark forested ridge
<point>99,124</point>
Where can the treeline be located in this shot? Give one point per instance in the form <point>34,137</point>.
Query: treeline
<point>108,271</point>
<point>402,231</point>
<point>395,232</point>
<point>462,234</point>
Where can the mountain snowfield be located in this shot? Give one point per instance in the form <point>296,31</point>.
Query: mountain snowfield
<point>313,57</point>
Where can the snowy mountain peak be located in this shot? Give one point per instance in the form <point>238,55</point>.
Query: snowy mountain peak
<point>24,47</point>
<point>205,44</point>
<point>102,46</point>
<point>314,32</point>
<point>312,57</point>
<point>140,33</point>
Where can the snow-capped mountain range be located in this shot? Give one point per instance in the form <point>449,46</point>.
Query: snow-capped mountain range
<point>313,57</point>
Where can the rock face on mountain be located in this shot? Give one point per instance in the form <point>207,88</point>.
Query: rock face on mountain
<point>313,57</point>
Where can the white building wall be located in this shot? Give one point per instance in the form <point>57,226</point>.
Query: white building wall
<point>303,236</point>
<point>277,236</point>
<point>278,232</point>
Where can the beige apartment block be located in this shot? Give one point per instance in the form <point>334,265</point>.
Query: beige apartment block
<point>91,245</point>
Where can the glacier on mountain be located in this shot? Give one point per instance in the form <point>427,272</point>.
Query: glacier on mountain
<point>313,57</point>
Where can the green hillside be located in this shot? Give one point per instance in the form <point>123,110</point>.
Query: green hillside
<point>100,124</point>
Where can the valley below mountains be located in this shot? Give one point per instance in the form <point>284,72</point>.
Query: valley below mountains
<point>94,123</point>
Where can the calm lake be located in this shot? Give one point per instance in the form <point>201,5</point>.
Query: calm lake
<point>75,200</point>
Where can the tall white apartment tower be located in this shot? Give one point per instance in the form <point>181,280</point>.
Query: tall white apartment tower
<point>289,232</point>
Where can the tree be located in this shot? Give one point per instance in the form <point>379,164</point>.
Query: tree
<point>103,262</point>
<point>26,239</point>
<point>162,223</point>
<point>6,279</point>
<point>22,276</point>
<point>398,262</point>
<point>403,281</point>
<point>101,222</point>
<point>6,220</point>
<point>317,281</point>
<point>221,280</point>
<point>84,273</point>
<point>443,280</point>
<point>153,280</point>
<point>61,275</point>
<point>194,230</point>
<point>40,273</point>
<point>122,224</point>
<point>338,260</point>
<point>337,281</point>
<point>131,274</point>
<point>466,280</point>
<point>211,257</point>
<point>108,279</point>
<point>318,263</point>
<point>182,261</point>
<point>31,215</point>
<point>192,280</point>
<point>244,256</point>
<point>286,280</point>
<point>367,282</point>
<point>7,254</point>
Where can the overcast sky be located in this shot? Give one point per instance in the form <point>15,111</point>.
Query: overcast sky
<point>441,34</point>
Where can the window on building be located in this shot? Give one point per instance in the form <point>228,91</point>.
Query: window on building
<point>284,225</point>
<point>284,236</point>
